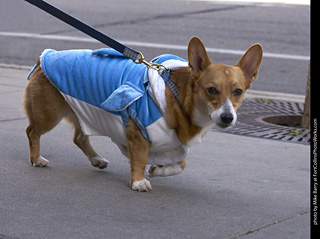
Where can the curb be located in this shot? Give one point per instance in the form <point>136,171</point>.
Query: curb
<point>250,94</point>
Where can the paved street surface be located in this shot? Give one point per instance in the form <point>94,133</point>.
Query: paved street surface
<point>226,28</point>
<point>232,187</point>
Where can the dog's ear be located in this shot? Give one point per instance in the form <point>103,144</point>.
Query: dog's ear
<point>197,56</point>
<point>250,62</point>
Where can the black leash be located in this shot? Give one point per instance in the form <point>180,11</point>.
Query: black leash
<point>137,57</point>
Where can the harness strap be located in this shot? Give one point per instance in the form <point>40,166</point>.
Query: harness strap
<point>172,86</point>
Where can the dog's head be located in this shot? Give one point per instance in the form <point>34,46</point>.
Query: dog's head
<point>218,89</point>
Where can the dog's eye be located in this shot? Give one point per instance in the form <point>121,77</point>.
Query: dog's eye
<point>237,92</point>
<point>212,90</point>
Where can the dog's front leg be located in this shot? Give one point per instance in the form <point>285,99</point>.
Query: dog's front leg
<point>166,170</point>
<point>138,154</point>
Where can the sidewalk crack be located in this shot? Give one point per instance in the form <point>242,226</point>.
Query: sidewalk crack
<point>271,224</point>
<point>14,119</point>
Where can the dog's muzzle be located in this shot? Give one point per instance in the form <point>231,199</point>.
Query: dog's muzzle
<point>226,120</point>
<point>225,116</point>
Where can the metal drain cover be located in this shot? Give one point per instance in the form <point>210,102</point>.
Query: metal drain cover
<point>250,121</point>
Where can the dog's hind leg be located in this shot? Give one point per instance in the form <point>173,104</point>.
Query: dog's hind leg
<point>44,107</point>
<point>34,146</point>
<point>83,142</point>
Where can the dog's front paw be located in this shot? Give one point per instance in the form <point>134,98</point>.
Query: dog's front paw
<point>99,162</point>
<point>40,162</point>
<point>165,170</point>
<point>141,186</point>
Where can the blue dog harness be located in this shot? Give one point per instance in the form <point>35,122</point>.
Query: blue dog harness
<point>104,88</point>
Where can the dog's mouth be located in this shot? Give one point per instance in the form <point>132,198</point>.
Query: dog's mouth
<point>223,125</point>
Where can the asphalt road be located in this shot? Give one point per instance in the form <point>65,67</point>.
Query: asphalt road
<point>225,28</point>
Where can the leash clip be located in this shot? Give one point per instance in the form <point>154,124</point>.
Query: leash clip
<point>154,66</point>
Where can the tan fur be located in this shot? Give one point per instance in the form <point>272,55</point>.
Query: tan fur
<point>45,107</point>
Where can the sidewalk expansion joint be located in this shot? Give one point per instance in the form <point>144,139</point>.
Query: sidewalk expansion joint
<point>272,224</point>
<point>14,119</point>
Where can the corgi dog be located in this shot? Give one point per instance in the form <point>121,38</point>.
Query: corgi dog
<point>153,119</point>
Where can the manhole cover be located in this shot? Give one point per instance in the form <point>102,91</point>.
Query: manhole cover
<point>271,119</point>
<point>284,120</point>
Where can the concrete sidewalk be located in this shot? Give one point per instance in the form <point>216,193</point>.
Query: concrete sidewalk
<point>232,187</point>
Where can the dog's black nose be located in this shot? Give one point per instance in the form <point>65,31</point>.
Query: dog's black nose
<point>226,118</point>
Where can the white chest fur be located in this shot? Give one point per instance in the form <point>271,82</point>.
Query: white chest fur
<point>198,138</point>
